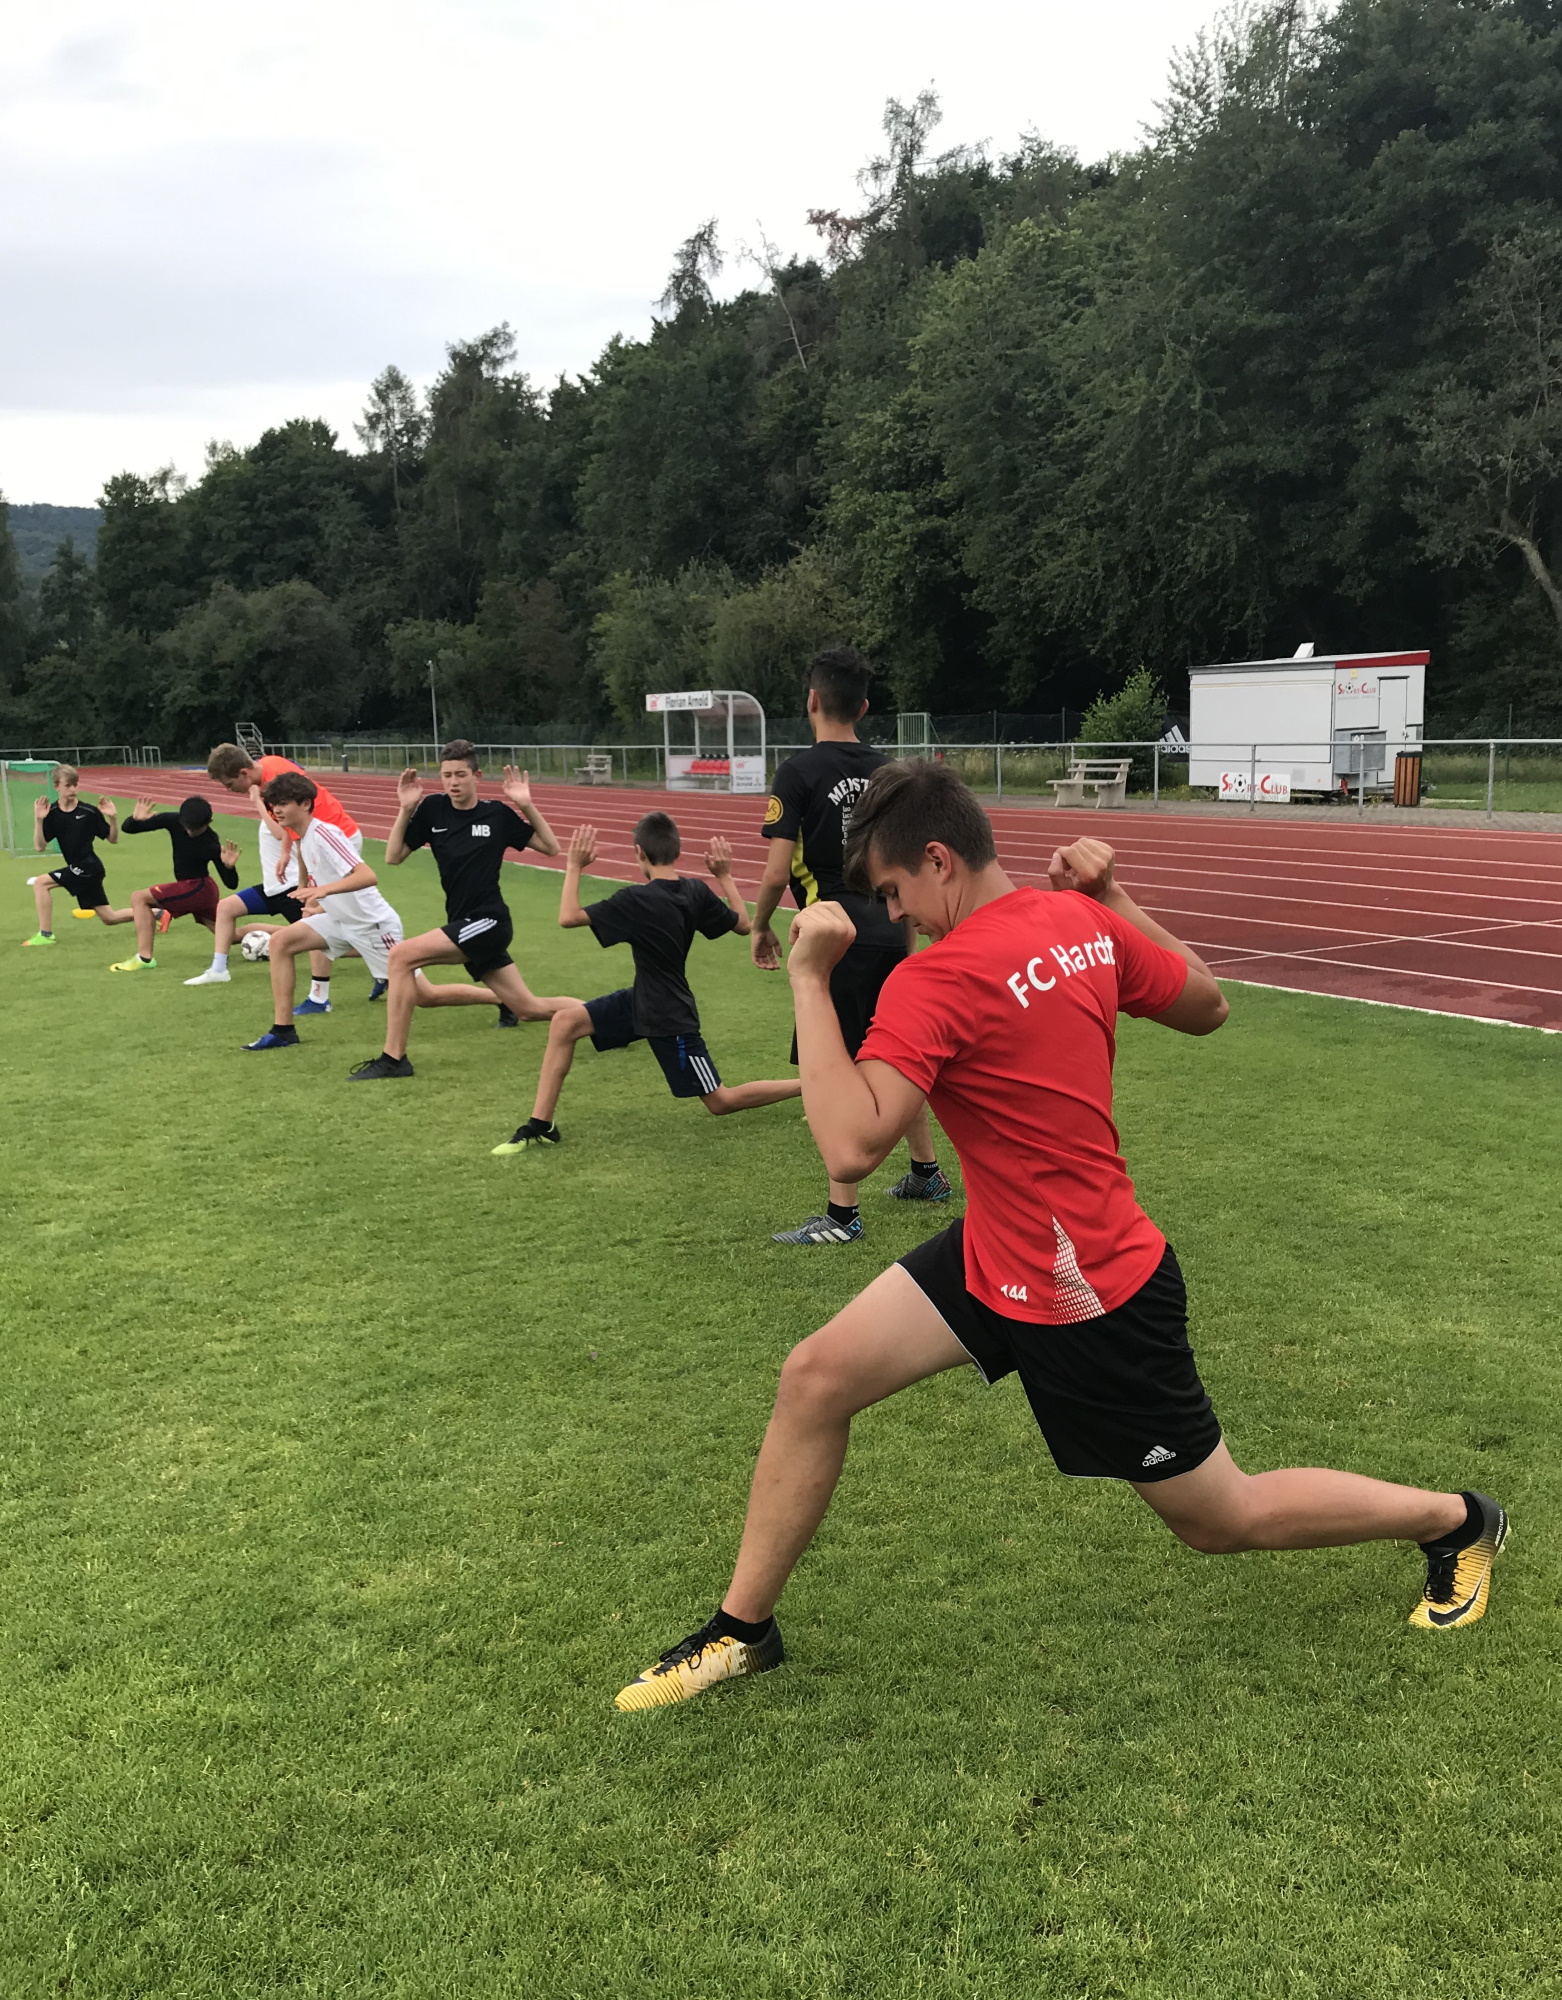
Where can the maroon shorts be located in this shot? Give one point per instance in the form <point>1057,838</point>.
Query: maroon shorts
<point>197,898</point>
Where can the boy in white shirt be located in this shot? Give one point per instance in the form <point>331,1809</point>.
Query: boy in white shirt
<point>343,908</point>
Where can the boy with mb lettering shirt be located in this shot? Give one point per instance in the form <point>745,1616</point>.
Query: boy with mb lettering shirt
<point>469,837</point>
<point>1006,1024</point>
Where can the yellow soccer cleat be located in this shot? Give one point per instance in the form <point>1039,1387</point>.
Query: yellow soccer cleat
<point>1458,1581</point>
<point>701,1661</point>
<point>135,964</point>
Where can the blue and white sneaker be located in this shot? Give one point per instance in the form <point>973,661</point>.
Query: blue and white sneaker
<point>272,1040</point>
<point>821,1229</point>
<point>311,1007</point>
<point>377,990</point>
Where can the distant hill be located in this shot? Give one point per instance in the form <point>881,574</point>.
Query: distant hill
<point>38,531</point>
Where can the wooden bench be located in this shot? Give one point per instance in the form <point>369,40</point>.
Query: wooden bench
<point>597,769</point>
<point>1109,775</point>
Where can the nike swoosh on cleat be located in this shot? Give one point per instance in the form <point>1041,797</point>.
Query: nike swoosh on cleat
<point>1458,1611</point>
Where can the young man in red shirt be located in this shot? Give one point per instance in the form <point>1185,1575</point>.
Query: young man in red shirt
<point>1005,1025</point>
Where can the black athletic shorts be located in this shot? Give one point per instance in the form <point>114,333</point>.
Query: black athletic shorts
<point>1116,1397</point>
<point>685,1060</point>
<point>855,986</point>
<point>483,941</point>
<point>85,884</point>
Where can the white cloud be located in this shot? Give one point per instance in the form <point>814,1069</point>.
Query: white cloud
<point>221,217</point>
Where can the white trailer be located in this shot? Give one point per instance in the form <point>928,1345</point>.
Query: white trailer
<point>1273,727</point>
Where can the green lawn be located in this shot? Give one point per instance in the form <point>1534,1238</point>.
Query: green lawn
<point>348,1472</point>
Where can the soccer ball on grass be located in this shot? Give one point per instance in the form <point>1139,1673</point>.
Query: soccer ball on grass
<point>256,946</point>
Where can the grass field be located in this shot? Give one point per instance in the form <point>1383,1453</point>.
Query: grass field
<point>348,1472</point>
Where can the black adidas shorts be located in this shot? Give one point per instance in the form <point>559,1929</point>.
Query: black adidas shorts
<point>686,1062</point>
<point>483,940</point>
<point>1116,1397</point>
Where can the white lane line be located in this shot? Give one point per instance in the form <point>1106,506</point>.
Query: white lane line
<point>1395,1006</point>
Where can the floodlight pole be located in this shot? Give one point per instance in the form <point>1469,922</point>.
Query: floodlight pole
<point>433,702</point>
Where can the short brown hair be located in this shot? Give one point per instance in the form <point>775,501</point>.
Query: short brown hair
<point>459,751</point>
<point>227,761</point>
<point>67,772</point>
<point>289,788</point>
<point>658,839</point>
<point>841,677</point>
<point>908,803</point>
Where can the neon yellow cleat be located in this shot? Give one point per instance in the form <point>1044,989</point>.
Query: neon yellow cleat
<point>701,1661</point>
<point>1458,1582</point>
<point>40,937</point>
<point>135,964</point>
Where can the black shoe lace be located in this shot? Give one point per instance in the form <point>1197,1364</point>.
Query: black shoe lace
<point>691,1648</point>
<point>1441,1567</point>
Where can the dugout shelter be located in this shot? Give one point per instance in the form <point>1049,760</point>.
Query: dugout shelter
<point>730,757</point>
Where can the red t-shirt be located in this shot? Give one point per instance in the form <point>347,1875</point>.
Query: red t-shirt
<point>1007,1025</point>
<point>326,808</point>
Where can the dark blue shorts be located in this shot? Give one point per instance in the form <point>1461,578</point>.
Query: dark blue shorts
<point>284,905</point>
<point>685,1060</point>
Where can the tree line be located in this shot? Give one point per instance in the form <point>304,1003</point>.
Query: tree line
<point>1022,427</point>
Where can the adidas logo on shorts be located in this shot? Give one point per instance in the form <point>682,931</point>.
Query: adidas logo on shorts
<point>1158,1456</point>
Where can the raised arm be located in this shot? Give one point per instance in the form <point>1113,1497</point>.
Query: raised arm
<point>518,790</point>
<point>582,852</point>
<point>227,863</point>
<point>40,814</point>
<point>110,812</point>
<point>145,818</point>
<point>409,796</point>
<point>1089,867</point>
<point>857,1112</point>
<point>718,859</point>
<point>764,945</point>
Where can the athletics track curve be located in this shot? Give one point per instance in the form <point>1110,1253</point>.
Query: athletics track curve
<point>1443,919</point>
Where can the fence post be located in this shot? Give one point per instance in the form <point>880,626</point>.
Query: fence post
<point>1361,779</point>
<point>998,766</point>
<point>1155,798</point>
<point>1252,781</point>
<point>1491,776</point>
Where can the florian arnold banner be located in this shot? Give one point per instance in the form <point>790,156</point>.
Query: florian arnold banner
<point>1272,787</point>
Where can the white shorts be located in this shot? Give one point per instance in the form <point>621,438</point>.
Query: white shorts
<point>372,941</point>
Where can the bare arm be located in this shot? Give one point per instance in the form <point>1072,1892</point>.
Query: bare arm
<point>361,877</point>
<point>765,947</point>
<point>1089,866</point>
<point>718,859</point>
<point>518,790</point>
<point>40,814</point>
<point>409,796</point>
<point>110,812</point>
<point>582,852</point>
<point>857,1112</point>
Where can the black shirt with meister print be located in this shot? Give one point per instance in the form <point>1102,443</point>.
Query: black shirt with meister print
<point>811,805</point>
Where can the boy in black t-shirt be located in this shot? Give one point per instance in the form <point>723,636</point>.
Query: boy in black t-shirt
<point>469,837</point>
<point>77,827</point>
<point>657,919</point>
<point>807,818</point>
<point>192,892</point>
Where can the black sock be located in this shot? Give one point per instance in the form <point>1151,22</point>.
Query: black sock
<point>728,1627</point>
<point>1461,1538</point>
<point>926,1168</point>
<point>843,1211</point>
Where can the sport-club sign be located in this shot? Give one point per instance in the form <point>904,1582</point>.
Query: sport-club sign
<point>1268,787</point>
<point>702,700</point>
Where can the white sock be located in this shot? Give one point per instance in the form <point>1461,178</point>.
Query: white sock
<point>319,989</point>
<point>219,961</point>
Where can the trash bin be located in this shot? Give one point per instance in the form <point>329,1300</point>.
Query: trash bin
<point>1407,778</point>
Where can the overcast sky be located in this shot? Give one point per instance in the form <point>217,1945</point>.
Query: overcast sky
<point>219,217</point>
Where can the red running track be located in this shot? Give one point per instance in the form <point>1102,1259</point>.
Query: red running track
<point>1444,919</point>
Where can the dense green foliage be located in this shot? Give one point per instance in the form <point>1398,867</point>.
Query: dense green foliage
<point>349,1471</point>
<point>1289,371</point>
<point>38,531</point>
